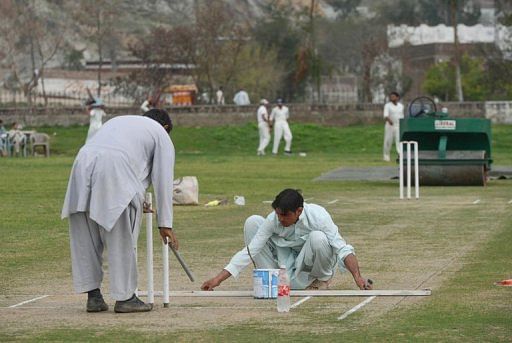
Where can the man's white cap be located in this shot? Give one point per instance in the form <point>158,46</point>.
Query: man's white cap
<point>263,102</point>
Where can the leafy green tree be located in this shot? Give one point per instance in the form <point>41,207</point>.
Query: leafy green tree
<point>440,80</point>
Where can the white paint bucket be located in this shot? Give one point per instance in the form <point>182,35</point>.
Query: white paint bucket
<point>265,283</point>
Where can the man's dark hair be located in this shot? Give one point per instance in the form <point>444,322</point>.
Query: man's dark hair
<point>395,93</point>
<point>288,200</point>
<point>161,116</point>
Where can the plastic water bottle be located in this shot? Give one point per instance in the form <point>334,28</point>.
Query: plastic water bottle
<point>283,291</point>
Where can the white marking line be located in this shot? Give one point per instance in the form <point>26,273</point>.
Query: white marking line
<point>355,308</point>
<point>303,300</point>
<point>333,201</point>
<point>28,301</point>
<point>267,201</point>
<point>510,202</point>
<point>476,201</point>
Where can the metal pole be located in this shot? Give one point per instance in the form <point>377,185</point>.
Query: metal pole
<point>165,258</point>
<point>408,170</point>
<point>416,171</point>
<point>401,170</point>
<point>149,250</point>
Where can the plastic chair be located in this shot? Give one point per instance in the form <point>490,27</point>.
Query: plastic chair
<point>17,141</point>
<point>40,140</point>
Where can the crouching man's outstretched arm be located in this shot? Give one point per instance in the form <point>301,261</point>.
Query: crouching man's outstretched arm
<point>215,281</point>
<point>353,266</point>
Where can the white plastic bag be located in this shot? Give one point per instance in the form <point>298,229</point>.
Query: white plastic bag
<point>185,191</point>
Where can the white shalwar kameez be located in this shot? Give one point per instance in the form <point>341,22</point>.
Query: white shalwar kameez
<point>310,248</point>
<point>95,122</point>
<point>392,132</point>
<point>242,98</point>
<point>263,128</point>
<point>281,128</point>
<point>104,199</point>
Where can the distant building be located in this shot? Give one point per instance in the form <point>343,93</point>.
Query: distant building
<point>418,48</point>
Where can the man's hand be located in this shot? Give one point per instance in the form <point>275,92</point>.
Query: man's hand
<point>216,281</point>
<point>166,232</point>
<point>210,284</point>
<point>363,284</point>
<point>146,208</point>
<point>389,121</point>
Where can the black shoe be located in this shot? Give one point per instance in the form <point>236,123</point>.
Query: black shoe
<point>96,304</point>
<point>288,153</point>
<point>133,304</point>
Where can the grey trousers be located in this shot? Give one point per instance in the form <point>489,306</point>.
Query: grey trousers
<point>88,239</point>
<point>315,260</point>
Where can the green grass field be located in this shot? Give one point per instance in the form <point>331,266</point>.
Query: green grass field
<point>443,241</point>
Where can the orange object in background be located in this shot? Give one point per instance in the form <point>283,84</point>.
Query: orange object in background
<point>504,283</point>
<point>182,95</point>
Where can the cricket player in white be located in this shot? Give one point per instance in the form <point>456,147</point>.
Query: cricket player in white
<point>393,112</point>
<point>104,204</point>
<point>300,236</point>
<point>263,127</point>
<point>96,118</point>
<point>279,116</point>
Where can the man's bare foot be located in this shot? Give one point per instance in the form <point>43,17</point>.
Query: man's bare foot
<point>319,285</point>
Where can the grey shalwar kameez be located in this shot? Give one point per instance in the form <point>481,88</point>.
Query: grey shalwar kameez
<point>310,248</point>
<point>104,199</point>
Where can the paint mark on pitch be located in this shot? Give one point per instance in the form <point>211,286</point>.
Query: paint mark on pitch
<point>28,301</point>
<point>333,201</point>
<point>303,300</point>
<point>477,201</point>
<point>356,308</point>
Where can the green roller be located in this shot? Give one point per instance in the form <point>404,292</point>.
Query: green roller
<point>451,151</point>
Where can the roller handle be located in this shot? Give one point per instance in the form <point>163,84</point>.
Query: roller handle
<point>183,263</point>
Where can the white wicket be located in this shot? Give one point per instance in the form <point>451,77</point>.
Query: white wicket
<point>408,145</point>
<point>149,255</point>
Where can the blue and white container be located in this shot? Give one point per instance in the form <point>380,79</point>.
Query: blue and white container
<point>265,283</point>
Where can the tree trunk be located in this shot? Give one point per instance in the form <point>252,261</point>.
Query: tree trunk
<point>45,97</point>
<point>100,50</point>
<point>458,77</point>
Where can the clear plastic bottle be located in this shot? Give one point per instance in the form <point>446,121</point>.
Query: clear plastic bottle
<point>283,291</point>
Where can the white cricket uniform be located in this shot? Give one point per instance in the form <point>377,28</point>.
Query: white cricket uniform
<point>241,98</point>
<point>95,122</point>
<point>281,128</point>
<point>104,199</point>
<point>220,97</point>
<point>263,128</point>
<point>310,248</point>
<point>392,132</point>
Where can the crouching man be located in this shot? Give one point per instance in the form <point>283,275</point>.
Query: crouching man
<point>300,236</point>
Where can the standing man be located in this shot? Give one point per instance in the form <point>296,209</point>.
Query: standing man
<point>241,98</point>
<point>220,96</point>
<point>96,114</point>
<point>279,116</point>
<point>393,112</point>
<point>300,236</point>
<point>264,126</point>
<point>104,204</point>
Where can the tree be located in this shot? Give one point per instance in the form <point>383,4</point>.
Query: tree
<point>98,22</point>
<point>352,45</point>
<point>216,50</point>
<point>440,80</point>
<point>30,40</point>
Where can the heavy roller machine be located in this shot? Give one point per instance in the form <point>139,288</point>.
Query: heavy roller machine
<point>451,151</point>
